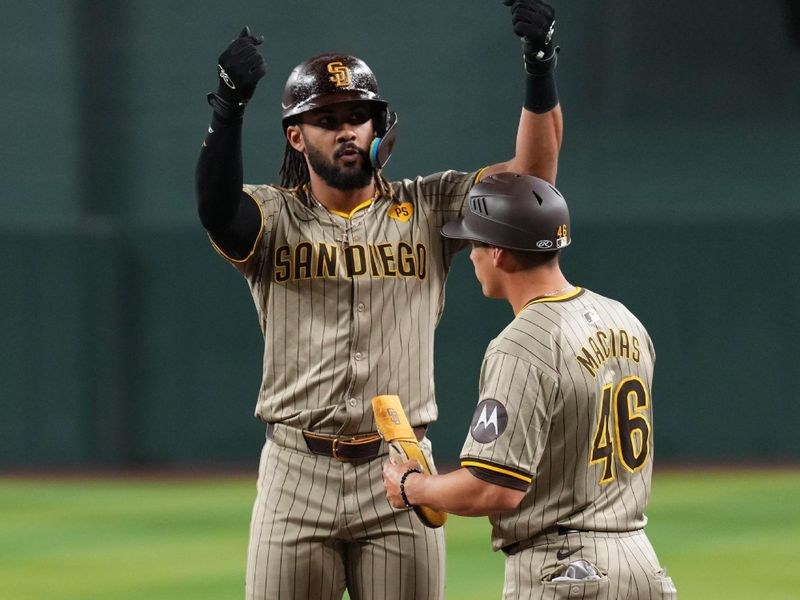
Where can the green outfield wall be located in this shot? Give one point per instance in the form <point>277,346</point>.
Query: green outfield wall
<point>126,341</point>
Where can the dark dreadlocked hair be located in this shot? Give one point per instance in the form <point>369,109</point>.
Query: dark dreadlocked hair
<point>294,170</point>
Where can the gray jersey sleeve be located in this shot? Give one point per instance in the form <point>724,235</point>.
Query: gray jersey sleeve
<point>509,427</point>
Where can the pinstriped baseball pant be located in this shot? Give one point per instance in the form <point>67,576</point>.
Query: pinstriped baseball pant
<point>320,525</point>
<point>627,562</point>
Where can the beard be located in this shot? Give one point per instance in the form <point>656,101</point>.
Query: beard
<point>353,177</point>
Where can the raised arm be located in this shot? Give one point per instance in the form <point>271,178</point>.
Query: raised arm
<point>540,125</point>
<point>227,213</point>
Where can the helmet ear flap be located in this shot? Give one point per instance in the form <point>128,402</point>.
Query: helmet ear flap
<point>381,147</point>
<point>382,119</point>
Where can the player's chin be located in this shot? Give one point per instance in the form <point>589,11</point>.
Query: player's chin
<point>491,292</point>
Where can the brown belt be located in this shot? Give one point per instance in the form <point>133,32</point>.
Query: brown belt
<point>361,447</point>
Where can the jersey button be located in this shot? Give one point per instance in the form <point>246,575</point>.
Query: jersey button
<point>361,307</point>
<point>352,401</point>
<point>359,356</point>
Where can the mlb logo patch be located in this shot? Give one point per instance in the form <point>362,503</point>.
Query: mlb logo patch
<point>592,318</point>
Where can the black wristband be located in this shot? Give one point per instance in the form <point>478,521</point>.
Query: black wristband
<point>403,486</point>
<point>228,111</point>
<point>541,94</point>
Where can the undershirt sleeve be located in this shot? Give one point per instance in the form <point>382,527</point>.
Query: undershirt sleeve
<point>231,217</point>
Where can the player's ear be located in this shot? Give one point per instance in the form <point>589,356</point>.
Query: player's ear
<point>295,136</point>
<point>504,260</point>
<point>499,257</point>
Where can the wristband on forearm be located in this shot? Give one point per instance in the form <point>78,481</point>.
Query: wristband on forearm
<point>541,94</point>
<point>228,111</point>
<point>403,486</point>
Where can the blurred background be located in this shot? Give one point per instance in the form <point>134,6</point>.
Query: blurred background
<point>128,343</point>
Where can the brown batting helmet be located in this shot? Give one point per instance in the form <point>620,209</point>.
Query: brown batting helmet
<point>330,79</point>
<point>513,211</point>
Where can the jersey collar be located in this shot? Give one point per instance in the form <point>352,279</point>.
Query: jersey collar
<point>562,298</point>
<point>363,205</point>
<point>366,204</point>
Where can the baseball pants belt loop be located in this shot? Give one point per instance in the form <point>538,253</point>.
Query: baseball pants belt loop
<point>521,545</point>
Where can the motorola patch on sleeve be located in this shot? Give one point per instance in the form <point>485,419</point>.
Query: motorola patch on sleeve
<point>489,421</point>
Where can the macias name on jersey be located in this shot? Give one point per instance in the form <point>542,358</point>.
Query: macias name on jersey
<point>603,345</point>
<point>307,260</point>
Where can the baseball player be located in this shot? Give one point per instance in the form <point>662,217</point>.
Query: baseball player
<point>347,272</point>
<point>560,448</point>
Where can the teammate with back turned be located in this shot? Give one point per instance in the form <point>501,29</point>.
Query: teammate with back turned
<point>347,272</point>
<point>560,448</point>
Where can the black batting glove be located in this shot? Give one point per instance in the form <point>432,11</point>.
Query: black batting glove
<point>239,68</point>
<point>534,22</point>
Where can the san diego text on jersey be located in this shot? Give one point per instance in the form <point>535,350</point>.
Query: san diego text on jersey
<point>309,260</point>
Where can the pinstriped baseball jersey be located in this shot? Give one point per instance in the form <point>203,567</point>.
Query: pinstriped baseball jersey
<point>348,303</point>
<point>565,413</point>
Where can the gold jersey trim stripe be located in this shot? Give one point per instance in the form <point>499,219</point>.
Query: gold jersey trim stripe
<point>479,175</point>
<point>255,243</point>
<point>472,463</point>
<point>361,206</point>
<point>576,292</point>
